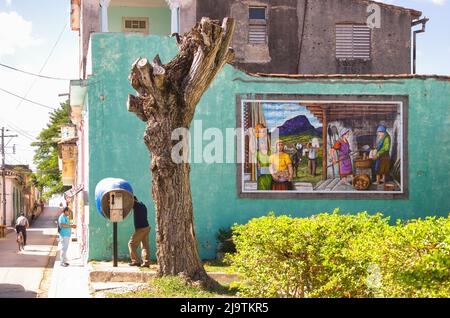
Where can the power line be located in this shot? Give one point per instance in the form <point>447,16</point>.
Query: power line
<point>34,74</point>
<point>19,129</point>
<point>45,64</point>
<point>25,99</point>
<point>22,132</point>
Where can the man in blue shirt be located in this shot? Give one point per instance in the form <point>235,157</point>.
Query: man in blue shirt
<point>65,229</point>
<point>140,235</point>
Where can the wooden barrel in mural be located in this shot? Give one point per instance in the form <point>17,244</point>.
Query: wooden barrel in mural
<point>281,186</point>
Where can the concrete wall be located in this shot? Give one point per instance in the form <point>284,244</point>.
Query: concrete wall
<point>286,34</point>
<point>90,22</point>
<point>158,18</point>
<point>390,43</point>
<point>188,15</point>
<point>117,148</point>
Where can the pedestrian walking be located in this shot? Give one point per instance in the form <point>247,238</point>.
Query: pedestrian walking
<point>140,235</point>
<point>65,231</point>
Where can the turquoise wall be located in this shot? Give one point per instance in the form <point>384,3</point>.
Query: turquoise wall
<point>117,148</point>
<point>158,18</point>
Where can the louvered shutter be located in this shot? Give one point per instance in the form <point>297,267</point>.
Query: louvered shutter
<point>257,34</point>
<point>257,26</point>
<point>353,41</point>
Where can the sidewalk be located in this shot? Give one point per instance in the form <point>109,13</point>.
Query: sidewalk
<point>71,281</point>
<point>21,273</point>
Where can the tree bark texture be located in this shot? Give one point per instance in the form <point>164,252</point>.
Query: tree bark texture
<point>166,100</point>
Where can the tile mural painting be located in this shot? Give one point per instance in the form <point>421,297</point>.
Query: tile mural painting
<point>316,146</point>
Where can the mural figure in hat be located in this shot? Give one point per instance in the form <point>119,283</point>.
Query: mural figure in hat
<point>382,157</point>
<point>342,147</point>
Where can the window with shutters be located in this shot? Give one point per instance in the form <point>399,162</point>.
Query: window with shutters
<point>257,31</point>
<point>353,41</point>
<point>133,24</point>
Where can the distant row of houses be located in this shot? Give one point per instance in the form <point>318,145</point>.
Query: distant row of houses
<point>318,61</point>
<point>20,194</point>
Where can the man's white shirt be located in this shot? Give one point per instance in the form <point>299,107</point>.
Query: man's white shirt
<point>21,220</point>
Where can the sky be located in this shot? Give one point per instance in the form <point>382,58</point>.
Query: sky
<point>35,36</point>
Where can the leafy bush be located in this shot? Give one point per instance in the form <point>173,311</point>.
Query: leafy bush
<point>416,259</point>
<point>334,255</point>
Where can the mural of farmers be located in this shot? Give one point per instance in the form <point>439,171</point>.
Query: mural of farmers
<point>313,146</point>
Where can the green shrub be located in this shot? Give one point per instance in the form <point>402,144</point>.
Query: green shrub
<point>334,255</point>
<point>416,259</point>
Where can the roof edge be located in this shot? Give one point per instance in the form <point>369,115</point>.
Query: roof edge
<point>414,13</point>
<point>336,75</point>
<point>346,76</point>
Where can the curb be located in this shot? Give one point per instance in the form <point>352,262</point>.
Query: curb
<point>111,275</point>
<point>106,276</point>
<point>45,284</point>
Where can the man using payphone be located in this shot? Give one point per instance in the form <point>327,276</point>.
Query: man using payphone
<point>140,235</point>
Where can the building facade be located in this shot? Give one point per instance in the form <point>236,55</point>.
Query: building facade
<point>21,194</point>
<point>315,37</point>
<point>288,40</point>
<point>409,106</point>
<point>272,36</point>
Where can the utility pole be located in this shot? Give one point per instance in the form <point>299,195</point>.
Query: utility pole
<point>4,172</point>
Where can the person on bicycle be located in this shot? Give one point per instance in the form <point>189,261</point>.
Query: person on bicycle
<point>21,226</point>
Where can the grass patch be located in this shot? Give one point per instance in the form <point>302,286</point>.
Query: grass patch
<point>303,170</point>
<point>175,287</point>
<point>218,266</point>
<point>303,174</point>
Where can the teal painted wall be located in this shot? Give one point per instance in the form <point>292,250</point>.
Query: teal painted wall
<point>117,148</point>
<point>159,18</point>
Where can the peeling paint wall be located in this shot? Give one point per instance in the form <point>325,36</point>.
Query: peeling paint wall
<point>117,148</point>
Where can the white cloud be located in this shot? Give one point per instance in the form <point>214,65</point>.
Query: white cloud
<point>439,2</point>
<point>15,33</point>
<point>8,2</point>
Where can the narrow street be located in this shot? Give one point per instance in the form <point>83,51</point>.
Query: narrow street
<point>22,274</point>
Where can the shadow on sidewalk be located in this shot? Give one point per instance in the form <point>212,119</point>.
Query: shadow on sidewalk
<point>15,291</point>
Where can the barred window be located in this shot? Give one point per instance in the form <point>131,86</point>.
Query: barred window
<point>133,24</point>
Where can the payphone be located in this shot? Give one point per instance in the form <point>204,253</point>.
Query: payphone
<point>114,199</point>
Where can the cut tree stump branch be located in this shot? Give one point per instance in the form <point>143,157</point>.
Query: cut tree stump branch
<point>168,95</point>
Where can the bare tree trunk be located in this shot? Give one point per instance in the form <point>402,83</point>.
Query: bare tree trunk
<point>167,98</point>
